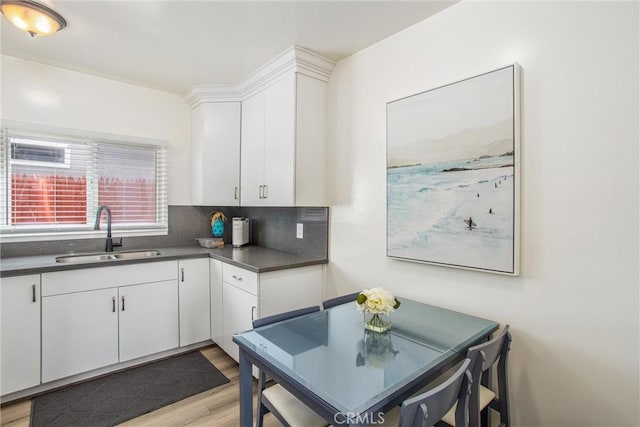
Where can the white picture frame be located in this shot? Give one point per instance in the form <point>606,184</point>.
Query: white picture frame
<point>453,174</point>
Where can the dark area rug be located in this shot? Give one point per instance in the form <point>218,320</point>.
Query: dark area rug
<point>118,397</point>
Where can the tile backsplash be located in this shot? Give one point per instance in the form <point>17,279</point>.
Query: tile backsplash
<point>273,227</point>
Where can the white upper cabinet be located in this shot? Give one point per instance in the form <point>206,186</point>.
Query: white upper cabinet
<point>311,146</point>
<point>252,150</point>
<point>268,146</point>
<point>282,148</point>
<point>280,143</point>
<point>215,151</point>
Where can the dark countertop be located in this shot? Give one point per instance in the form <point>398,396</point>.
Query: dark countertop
<point>254,258</point>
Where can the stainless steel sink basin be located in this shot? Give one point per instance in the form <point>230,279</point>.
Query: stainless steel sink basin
<point>136,254</point>
<point>107,256</point>
<point>84,258</point>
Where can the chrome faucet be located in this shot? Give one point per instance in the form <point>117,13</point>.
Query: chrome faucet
<point>109,243</point>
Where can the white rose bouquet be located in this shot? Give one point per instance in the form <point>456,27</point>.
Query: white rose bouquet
<point>377,301</point>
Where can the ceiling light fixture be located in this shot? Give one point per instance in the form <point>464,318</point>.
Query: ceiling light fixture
<point>34,18</point>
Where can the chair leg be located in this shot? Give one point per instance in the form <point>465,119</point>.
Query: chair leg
<point>484,414</point>
<point>261,409</point>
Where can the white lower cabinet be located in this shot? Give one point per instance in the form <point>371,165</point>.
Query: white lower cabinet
<point>247,295</point>
<point>20,333</point>
<point>215,289</point>
<point>88,324</point>
<point>148,319</point>
<point>195,312</point>
<point>240,307</point>
<point>59,324</point>
<point>79,332</point>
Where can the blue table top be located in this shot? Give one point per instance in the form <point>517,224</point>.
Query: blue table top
<point>330,353</point>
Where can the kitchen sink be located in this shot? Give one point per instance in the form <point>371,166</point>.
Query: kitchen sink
<point>107,256</point>
<point>136,254</point>
<point>68,259</point>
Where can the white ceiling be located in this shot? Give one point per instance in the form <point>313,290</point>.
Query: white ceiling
<point>175,45</point>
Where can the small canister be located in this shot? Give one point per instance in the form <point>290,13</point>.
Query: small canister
<point>240,231</point>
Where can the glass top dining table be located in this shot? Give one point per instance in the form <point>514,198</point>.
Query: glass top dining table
<point>344,372</point>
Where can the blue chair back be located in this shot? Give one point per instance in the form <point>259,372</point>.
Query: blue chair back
<point>343,299</point>
<point>284,316</point>
<point>486,355</point>
<point>428,408</point>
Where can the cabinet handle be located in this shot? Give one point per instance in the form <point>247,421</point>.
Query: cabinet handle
<point>253,313</point>
<point>238,278</point>
<point>33,293</point>
<point>113,304</point>
<point>266,191</point>
<point>123,303</point>
<point>235,193</point>
<point>260,191</point>
<point>182,274</point>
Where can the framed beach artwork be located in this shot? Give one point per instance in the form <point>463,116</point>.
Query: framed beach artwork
<point>453,174</point>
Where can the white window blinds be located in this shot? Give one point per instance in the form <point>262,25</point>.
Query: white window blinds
<point>129,178</point>
<point>55,183</point>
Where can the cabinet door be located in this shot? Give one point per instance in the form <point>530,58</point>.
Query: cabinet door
<point>215,154</point>
<point>193,285</point>
<point>252,151</point>
<point>311,141</point>
<point>240,308</point>
<point>279,143</point>
<point>148,318</point>
<point>20,331</point>
<point>277,286</point>
<point>215,272</point>
<point>79,332</point>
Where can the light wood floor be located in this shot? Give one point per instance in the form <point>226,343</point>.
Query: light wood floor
<point>216,407</point>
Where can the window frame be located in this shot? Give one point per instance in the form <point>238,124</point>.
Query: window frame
<point>43,232</point>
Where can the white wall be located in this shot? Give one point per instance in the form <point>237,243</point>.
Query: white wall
<point>574,308</point>
<point>41,94</point>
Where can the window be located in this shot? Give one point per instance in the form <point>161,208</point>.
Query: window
<point>54,184</point>
<point>29,152</point>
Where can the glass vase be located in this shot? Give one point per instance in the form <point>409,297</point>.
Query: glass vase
<point>376,322</point>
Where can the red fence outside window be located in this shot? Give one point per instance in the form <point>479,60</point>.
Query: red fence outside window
<point>50,199</point>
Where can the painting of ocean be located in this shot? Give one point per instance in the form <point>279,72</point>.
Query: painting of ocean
<point>452,175</point>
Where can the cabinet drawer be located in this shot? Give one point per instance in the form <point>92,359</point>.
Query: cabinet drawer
<point>64,282</point>
<point>240,278</point>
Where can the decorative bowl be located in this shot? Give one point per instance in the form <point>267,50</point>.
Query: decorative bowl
<point>210,242</point>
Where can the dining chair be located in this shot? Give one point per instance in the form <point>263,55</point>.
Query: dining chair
<point>486,355</point>
<point>427,408</point>
<point>343,299</point>
<point>276,399</point>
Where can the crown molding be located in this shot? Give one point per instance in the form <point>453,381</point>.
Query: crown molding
<point>212,93</point>
<point>295,59</point>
